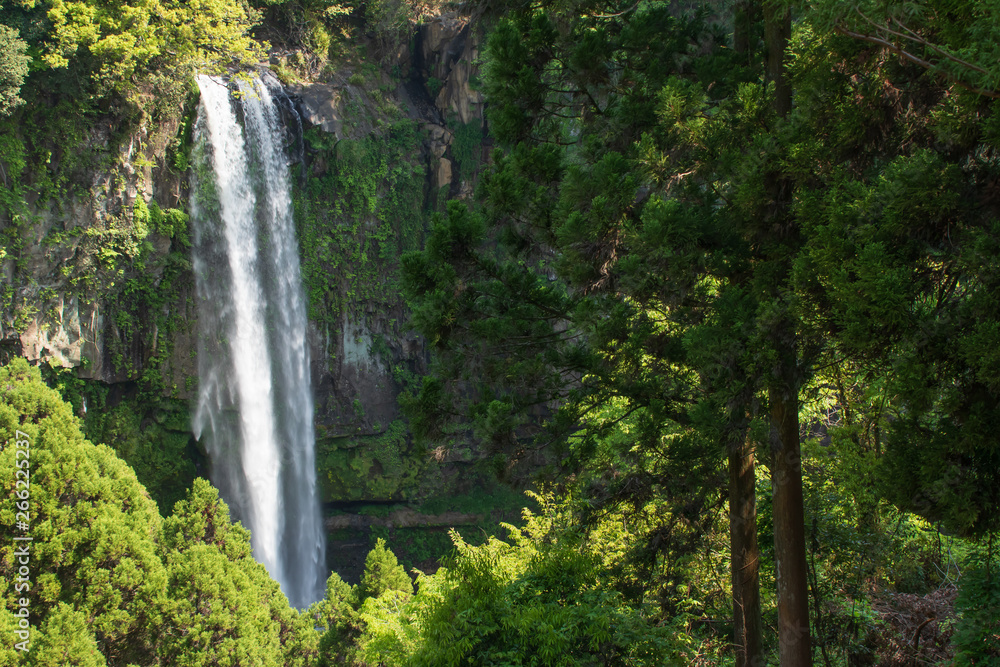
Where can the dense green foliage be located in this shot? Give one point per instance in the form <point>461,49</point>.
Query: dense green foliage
<point>13,68</point>
<point>383,574</point>
<point>357,217</point>
<point>110,581</point>
<point>978,638</point>
<point>120,44</point>
<point>683,248</point>
<point>543,598</point>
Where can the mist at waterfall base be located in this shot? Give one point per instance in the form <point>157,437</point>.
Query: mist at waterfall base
<point>254,408</point>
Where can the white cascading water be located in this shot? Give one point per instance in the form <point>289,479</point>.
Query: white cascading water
<point>255,405</point>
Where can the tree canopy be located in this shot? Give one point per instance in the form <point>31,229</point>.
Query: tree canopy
<point>13,68</point>
<point>122,43</point>
<point>110,581</point>
<point>717,238</point>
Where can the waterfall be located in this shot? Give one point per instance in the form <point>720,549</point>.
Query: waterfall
<point>254,406</point>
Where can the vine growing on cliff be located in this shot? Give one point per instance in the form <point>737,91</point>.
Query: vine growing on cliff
<point>374,187</point>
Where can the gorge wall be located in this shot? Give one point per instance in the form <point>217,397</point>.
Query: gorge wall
<point>98,285</point>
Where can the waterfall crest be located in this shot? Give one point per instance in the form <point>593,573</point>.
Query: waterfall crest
<point>254,407</point>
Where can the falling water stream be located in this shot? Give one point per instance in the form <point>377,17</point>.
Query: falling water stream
<point>254,407</point>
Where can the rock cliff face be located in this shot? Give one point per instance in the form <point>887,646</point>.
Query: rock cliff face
<point>364,355</point>
<point>79,250</point>
<point>101,284</point>
<point>449,48</point>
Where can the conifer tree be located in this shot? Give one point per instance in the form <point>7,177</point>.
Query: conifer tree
<point>110,581</point>
<point>64,640</point>
<point>383,573</point>
<point>713,245</point>
<point>93,526</point>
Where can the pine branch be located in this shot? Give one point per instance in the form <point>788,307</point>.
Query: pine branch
<point>926,64</point>
<point>914,37</point>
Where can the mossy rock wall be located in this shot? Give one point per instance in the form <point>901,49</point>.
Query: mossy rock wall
<point>379,145</point>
